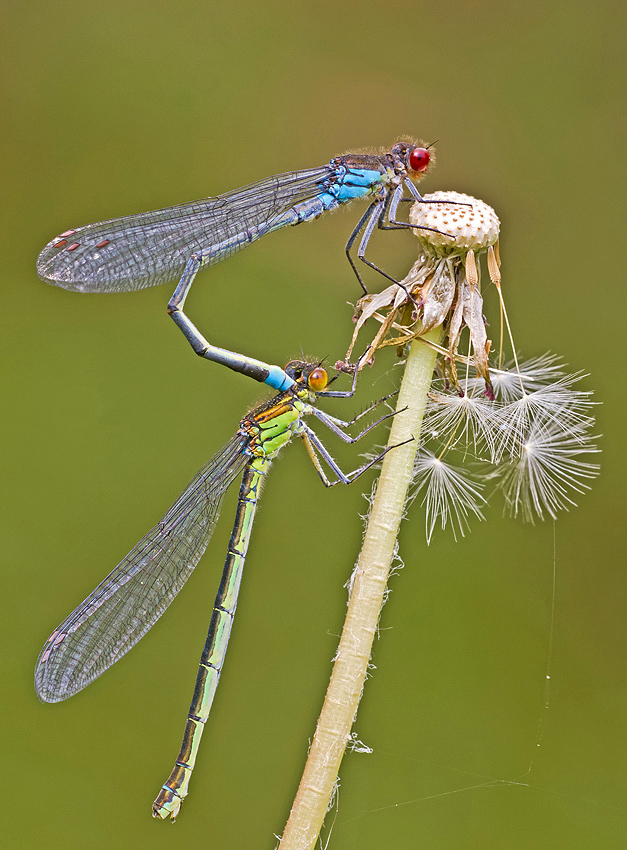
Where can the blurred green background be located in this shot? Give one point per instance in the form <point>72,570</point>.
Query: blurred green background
<point>111,108</point>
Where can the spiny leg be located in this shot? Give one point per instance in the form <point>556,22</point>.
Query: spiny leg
<point>373,217</point>
<point>338,426</point>
<point>351,239</point>
<point>347,424</point>
<point>374,220</point>
<point>390,222</point>
<point>313,445</point>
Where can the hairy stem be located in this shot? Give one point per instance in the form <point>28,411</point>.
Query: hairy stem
<point>364,608</point>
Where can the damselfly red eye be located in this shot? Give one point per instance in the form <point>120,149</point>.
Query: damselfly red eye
<point>318,379</point>
<point>419,159</point>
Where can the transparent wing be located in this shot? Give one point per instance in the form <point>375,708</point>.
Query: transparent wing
<point>133,597</point>
<point>152,248</point>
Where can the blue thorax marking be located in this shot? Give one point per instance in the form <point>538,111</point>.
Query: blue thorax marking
<point>364,177</point>
<point>355,183</point>
<point>345,184</point>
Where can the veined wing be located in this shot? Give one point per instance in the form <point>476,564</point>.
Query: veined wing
<point>152,248</point>
<point>137,592</point>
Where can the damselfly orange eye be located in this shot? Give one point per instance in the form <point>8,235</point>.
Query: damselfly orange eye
<point>419,159</point>
<point>318,379</point>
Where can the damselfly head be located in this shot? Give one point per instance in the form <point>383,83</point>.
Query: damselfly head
<point>311,374</point>
<point>416,158</point>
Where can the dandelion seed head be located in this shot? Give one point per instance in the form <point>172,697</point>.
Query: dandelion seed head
<point>568,409</point>
<point>474,227</point>
<point>549,471</point>
<point>534,441</point>
<point>526,423</point>
<point>449,494</point>
<point>537,371</point>
<point>464,419</point>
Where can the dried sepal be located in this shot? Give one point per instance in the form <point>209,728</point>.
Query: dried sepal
<point>437,296</point>
<point>494,264</point>
<point>442,288</point>
<point>468,312</point>
<point>472,273</point>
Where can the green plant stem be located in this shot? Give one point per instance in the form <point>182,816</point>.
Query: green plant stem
<point>364,608</point>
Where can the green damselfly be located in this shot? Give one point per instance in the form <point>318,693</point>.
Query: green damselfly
<point>132,598</point>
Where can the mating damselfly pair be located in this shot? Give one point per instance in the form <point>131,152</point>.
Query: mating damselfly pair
<point>153,248</point>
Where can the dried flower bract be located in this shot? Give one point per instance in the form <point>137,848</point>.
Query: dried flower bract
<point>443,286</point>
